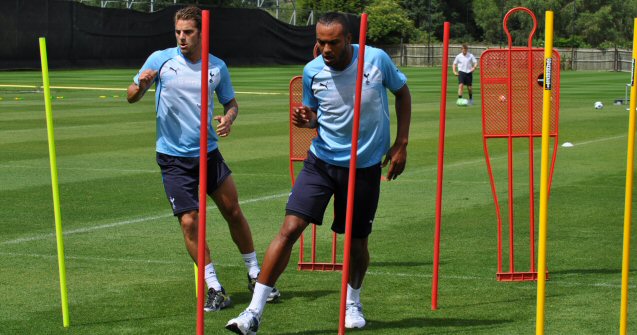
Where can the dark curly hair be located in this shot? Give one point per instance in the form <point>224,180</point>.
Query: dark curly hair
<point>335,17</point>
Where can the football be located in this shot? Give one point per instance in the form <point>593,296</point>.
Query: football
<point>599,105</point>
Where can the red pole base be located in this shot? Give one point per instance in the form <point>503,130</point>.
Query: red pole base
<point>518,276</point>
<point>320,266</point>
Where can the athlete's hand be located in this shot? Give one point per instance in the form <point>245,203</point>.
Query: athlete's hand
<point>397,155</point>
<point>304,117</point>
<point>136,91</point>
<point>224,126</point>
<point>146,79</point>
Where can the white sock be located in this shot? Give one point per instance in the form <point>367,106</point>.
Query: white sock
<point>252,264</point>
<point>353,295</point>
<point>259,298</point>
<point>211,277</point>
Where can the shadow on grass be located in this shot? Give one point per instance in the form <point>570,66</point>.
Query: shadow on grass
<point>132,305</point>
<point>585,271</point>
<point>373,264</point>
<point>432,323</point>
<point>243,298</point>
<point>413,323</point>
<point>130,318</point>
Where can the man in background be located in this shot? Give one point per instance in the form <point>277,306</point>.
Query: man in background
<point>463,66</point>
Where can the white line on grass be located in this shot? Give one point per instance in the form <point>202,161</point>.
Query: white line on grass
<point>597,140</point>
<point>495,158</point>
<point>118,89</point>
<point>19,86</point>
<point>498,157</point>
<point>8,166</point>
<point>126,222</point>
<point>556,282</point>
<point>398,274</point>
<point>539,150</point>
<point>93,259</point>
<point>44,167</point>
<point>261,93</point>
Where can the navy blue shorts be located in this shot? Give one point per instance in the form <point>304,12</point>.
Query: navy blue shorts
<point>465,78</point>
<point>316,184</point>
<point>181,179</point>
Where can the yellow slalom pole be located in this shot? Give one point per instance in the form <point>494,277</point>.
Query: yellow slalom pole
<point>544,175</point>
<point>54,182</point>
<point>196,280</point>
<point>623,320</point>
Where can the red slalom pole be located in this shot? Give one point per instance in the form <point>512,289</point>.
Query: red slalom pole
<point>441,156</point>
<point>203,169</point>
<point>351,184</point>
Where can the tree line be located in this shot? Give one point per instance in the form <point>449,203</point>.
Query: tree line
<point>601,24</point>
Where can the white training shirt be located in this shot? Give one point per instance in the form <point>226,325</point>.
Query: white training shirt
<point>465,63</point>
<point>178,100</point>
<point>331,93</point>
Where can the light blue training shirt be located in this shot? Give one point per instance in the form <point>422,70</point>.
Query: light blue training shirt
<point>331,93</point>
<point>178,100</point>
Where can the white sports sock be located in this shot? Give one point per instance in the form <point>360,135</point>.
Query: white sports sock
<point>353,295</point>
<point>259,298</point>
<point>211,277</point>
<point>252,264</point>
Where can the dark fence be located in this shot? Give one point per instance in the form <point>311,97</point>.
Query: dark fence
<point>572,59</point>
<point>80,36</point>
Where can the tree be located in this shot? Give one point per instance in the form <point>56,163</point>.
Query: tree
<point>488,16</point>
<point>388,23</point>
<point>578,23</point>
<point>607,25</point>
<point>463,24</point>
<point>424,13</point>
<point>427,16</point>
<point>350,6</point>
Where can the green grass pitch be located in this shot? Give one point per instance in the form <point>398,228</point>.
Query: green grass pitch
<point>127,268</point>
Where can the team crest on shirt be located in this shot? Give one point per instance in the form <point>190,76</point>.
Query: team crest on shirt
<point>213,77</point>
<point>372,77</point>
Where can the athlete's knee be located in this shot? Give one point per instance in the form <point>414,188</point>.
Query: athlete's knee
<point>227,200</point>
<point>232,212</point>
<point>189,223</point>
<point>291,230</point>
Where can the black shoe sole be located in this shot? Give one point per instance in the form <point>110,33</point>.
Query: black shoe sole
<point>273,299</point>
<point>233,328</point>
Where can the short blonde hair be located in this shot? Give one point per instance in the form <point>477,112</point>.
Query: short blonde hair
<point>189,13</point>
